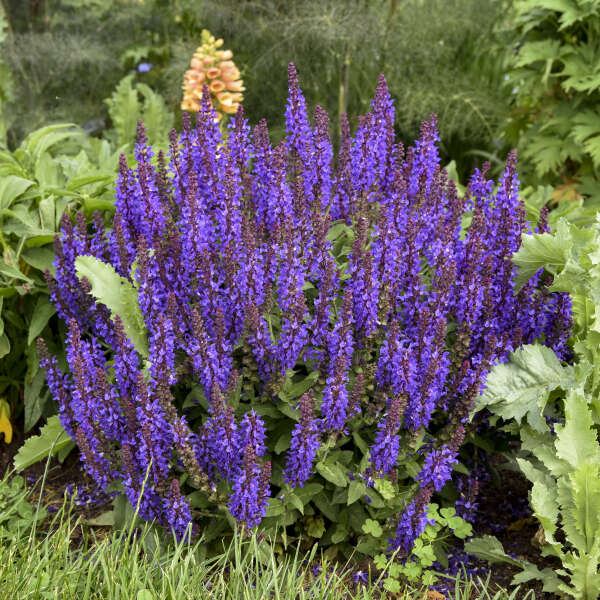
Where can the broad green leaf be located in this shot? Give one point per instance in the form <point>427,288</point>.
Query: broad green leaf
<point>541,250</point>
<point>292,499</point>
<point>12,187</point>
<point>340,533</point>
<point>42,312</point>
<point>490,548</point>
<point>333,472</point>
<point>158,119</point>
<point>520,387</point>
<point>118,294</point>
<point>316,527</point>
<point>39,258</point>
<point>275,508</point>
<point>51,439</point>
<point>12,272</point>
<point>308,491</point>
<point>583,576</point>
<point>356,491</point>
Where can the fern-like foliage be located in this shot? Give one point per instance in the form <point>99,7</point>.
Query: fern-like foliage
<point>557,409</point>
<point>553,66</point>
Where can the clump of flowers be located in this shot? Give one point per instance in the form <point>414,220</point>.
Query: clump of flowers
<point>213,68</point>
<point>300,319</point>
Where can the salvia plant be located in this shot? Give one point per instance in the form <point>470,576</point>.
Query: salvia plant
<point>264,336</point>
<point>555,408</point>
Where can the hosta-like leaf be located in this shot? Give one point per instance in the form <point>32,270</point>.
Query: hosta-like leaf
<point>118,294</point>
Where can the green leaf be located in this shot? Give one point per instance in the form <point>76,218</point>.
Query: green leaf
<point>106,519</point>
<point>118,295</point>
<point>124,109</point>
<point>39,258</point>
<point>12,187</point>
<point>4,345</point>
<point>316,527</point>
<point>372,527</point>
<point>292,499</point>
<point>356,491</point>
<point>333,472</point>
<point>547,575</point>
<point>12,272</point>
<point>576,440</point>
<point>490,548</point>
<point>32,400</point>
<point>42,312</point>
<point>521,387</point>
<point>340,533</point>
<point>385,488</point>
<point>51,439</point>
<point>308,491</point>
<point>275,508</point>
<point>539,251</point>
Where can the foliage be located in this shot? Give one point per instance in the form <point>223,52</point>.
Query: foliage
<point>67,56</point>
<point>552,69</point>
<point>6,81</point>
<point>56,169</point>
<point>429,547</point>
<point>17,515</point>
<point>51,441</point>
<point>557,409</point>
<point>316,333</point>
<point>114,565</point>
<point>126,109</point>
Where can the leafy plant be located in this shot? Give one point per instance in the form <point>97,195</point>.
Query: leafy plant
<point>128,104</point>
<point>556,409</point>
<point>57,169</point>
<point>428,548</point>
<point>17,515</point>
<point>552,71</point>
<point>310,340</point>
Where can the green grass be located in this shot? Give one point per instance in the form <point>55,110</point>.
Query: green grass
<point>69,560</point>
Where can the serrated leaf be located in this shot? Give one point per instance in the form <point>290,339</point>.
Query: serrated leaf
<point>125,110</point>
<point>118,294</point>
<point>36,448</point>
<point>539,251</point>
<point>576,440</point>
<point>385,488</point>
<point>520,388</point>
